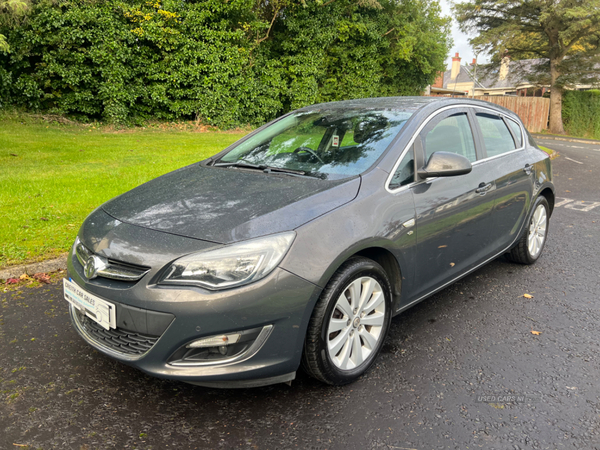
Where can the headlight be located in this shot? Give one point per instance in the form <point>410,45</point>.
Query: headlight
<point>233,265</point>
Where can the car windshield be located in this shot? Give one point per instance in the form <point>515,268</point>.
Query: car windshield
<point>329,144</point>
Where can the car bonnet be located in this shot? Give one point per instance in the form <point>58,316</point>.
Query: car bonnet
<point>225,205</point>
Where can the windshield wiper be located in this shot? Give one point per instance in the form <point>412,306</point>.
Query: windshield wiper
<point>242,164</point>
<point>263,167</point>
<point>269,169</point>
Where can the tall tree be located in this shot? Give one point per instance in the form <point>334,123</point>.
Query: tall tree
<point>340,49</point>
<point>563,34</point>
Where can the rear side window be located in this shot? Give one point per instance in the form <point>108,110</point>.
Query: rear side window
<point>405,174</point>
<point>516,131</point>
<point>530,138</point>
<point>452,134</point>
<point>496,136</point>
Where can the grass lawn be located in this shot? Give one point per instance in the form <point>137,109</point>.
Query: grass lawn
<point>547,150</point>
<point>52,176</point>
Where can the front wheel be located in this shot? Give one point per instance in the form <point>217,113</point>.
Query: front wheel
<point>349,323</point>
<point>531,244</point>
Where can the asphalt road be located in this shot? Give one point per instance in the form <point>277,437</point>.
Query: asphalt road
<point>461,370</point>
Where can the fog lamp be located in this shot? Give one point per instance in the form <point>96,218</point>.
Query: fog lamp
<point>219,348</point>
<point>215,341</point>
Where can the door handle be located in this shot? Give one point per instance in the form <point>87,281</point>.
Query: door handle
<point>483,188</point>
<point>527,169</point>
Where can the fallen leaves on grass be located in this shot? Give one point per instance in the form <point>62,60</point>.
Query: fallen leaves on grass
<point>537,333</point>
<point>527,295</point>
<point>41,277</point>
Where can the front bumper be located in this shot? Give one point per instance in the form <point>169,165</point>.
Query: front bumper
<point>171,317</point>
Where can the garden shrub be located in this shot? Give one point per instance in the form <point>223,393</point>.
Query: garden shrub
<point>581,113</point>
<point>223,62</point>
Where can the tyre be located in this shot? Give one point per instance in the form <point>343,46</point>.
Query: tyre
<point>349,323</point>
<point>530,245</point>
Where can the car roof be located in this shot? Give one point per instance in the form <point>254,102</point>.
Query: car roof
<point>409,104</point>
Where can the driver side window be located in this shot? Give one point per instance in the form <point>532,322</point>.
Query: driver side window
<point>452,134</point>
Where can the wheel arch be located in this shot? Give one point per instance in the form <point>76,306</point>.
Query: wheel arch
<point>388,261</point>
<point>385,259</point>
<point>549,194</point>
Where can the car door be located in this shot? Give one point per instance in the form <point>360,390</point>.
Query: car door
<point>506,155</point>
<point>453,214</point>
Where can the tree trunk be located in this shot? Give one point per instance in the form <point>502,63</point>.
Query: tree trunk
<point>556,92</point>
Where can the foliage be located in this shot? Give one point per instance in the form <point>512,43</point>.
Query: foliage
<point>581,113</point>
<point>564,36</point>
<point>10,12</point>
<point>343,50</point>
<point>219,62</point>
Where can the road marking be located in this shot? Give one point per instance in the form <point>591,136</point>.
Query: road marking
<point>553,143</point>
<point>573,160</point>
<point>576,205</point>
<point>564,201</point>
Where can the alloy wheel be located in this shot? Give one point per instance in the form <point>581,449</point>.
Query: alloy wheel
<point>356,323</point>
<point>537,231</point>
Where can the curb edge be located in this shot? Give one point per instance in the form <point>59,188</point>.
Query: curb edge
<point>50,265</point>
<point>567,139</point>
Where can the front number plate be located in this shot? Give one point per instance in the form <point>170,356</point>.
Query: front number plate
<point>100,311</point>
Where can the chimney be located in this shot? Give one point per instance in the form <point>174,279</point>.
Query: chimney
<point>455,66</point>
<point>504,67</point>
<point>474,61</point>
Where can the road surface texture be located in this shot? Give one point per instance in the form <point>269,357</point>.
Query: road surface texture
<point>461,370</point>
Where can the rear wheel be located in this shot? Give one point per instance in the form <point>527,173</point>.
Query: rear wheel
<point>349,323</point>
<point>531,244</point>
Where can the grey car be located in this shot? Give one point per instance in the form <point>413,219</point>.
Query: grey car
<point>296,245</point>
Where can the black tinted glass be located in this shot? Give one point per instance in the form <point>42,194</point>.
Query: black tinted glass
<point>405,174</point>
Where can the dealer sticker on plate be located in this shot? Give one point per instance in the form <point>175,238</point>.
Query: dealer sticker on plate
<point>94,307</point>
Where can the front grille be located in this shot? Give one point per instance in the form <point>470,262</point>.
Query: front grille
<point>118,340</point>
<point>110,268</point>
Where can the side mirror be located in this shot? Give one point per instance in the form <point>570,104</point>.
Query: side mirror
<point>445,164</point>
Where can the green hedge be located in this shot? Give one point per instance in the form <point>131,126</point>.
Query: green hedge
<point>223,62</point>
<point>581,113</point>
